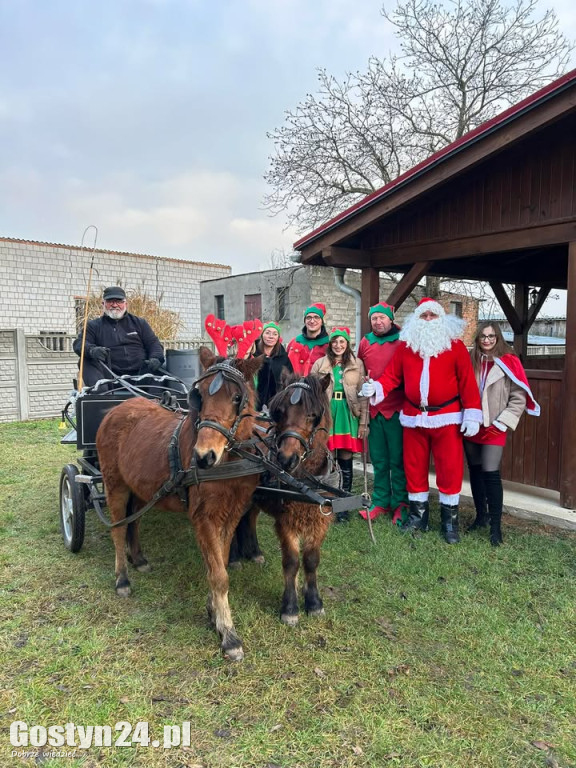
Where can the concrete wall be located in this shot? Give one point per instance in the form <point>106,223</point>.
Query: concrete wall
<point>39,283</point>
<point>308,285</point>
<point>36,373</point>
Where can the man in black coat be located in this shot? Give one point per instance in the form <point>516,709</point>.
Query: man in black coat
<point>124,342</point>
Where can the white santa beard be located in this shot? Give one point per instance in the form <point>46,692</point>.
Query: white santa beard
<point>429,338</point>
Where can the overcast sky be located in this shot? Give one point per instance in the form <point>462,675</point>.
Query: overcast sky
<point>148,118</point>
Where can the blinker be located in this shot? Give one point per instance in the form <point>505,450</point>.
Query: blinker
<point>216,384</point>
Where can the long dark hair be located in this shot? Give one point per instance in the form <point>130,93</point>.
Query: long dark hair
<point>346,357</point>
<point>275,348</point>
<point>500,348</point>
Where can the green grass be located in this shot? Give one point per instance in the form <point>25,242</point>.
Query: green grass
<point>428,655</point>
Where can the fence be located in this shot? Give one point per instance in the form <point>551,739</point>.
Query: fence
<point>36,372</point>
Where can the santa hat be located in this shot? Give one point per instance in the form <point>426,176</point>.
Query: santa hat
<point>316,309</point>
<point>429,305</point>
<point>382,308</point>
<point>271,325</point>
<point>344,332</point>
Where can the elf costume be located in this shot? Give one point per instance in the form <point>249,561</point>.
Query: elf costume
<point>386,432</point>
<point>303,351</point>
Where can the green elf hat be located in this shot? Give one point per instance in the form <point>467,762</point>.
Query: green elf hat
<point>344,332</point>
<point>384,308</point>
<point>316,309</point>
<point>271,325</point>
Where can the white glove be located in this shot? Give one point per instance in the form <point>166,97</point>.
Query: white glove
<point>469,428</point>
<point>499,425</point>
<point>368,388</point>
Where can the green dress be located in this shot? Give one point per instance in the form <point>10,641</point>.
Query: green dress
<point>344,432</point>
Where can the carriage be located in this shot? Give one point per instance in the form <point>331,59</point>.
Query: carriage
<point>81,487</point>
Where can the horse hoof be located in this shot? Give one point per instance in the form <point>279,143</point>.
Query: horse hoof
<point>259,559</point>
<point>235,565</point>
<point>317,612</point>
<point>124,591</point>
<point>289,618</point>
<point>144,567</point>
<point>234,654</point>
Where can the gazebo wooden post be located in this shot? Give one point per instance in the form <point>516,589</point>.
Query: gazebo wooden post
<point>370,294</point>
<point>521,306</point>
<point>568,454</point>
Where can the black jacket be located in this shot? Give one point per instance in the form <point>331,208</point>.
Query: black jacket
<point>270,373</point>
<point>130,341</point>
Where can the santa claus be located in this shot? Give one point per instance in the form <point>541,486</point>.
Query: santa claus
<point>441,405</point>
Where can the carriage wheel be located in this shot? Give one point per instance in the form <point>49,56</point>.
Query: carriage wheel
<point>72,509</point>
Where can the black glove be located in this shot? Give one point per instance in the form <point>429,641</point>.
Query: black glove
<point>100,353</point>
<point>153,364</point>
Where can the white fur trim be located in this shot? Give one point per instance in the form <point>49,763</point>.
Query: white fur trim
<point>420,496</point>
<point>532,411</point>
<point>473,414</point>
<point>499,425</point>
<point>425,381</point>
<point>430,420</point>
<point>378,396</point>
<point>430,306</point>
<point>451,499</point>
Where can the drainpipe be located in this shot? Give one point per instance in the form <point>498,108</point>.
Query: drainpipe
<point>339,273</point>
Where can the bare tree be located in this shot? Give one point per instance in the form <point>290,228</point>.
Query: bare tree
<point>460,64</point>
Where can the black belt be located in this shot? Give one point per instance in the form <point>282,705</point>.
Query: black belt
<point>432,408</point>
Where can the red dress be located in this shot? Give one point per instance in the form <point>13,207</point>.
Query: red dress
<point>487,435</point>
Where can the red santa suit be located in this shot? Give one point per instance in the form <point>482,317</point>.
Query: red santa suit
<point>440,393</point>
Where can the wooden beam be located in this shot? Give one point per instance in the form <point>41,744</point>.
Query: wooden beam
<point>351,258</point>
<point>370,295</point>
<point>535,308</point>
<point>407,283</point>
<point>521,307</point>
<point>507,307</point>
<point>567,453</point>
<point>477,245</point>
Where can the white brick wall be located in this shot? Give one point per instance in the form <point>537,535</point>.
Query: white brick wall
<point>39,282</point>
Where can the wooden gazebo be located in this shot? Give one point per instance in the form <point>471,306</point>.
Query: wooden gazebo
<point>499,205</point>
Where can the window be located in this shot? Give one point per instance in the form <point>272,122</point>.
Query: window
<point>219,306</point>
<point>253,306</point>
<point>456,308</point>
<point>283,303</point>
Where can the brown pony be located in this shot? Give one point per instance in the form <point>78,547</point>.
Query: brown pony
<point>133,448</point>
<point>301,413</point>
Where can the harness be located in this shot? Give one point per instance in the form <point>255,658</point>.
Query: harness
<point>295,397</point>
<point>254,454</point>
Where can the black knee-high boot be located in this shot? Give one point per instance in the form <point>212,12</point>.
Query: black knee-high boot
<point>479,495</point>
<point>494,494</point>
<point>347,474</point>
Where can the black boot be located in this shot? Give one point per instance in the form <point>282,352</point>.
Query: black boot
<point>347,473</point>
<point>479,495</point>
<point>494,494</point>
<point>418,514</point>
<point>449,522</point>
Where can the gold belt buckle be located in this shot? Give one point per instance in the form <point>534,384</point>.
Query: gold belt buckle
<point>338,395</point>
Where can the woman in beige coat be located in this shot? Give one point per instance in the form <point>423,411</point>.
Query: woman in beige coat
<point>349,411</point>
<point>505,396</point>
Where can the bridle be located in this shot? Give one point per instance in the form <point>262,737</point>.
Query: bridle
<point>223,371</point>
<point>308,444</point>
